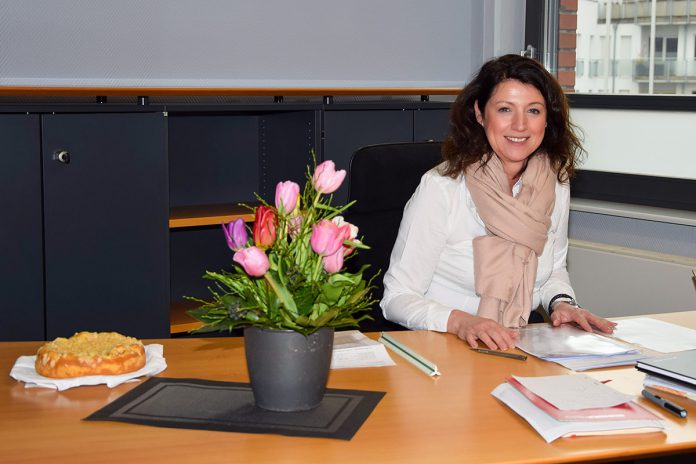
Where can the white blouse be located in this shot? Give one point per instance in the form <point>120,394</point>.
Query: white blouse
<point>431,271</point>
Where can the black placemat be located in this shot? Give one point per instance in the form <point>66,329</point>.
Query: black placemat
<point>229,407</point>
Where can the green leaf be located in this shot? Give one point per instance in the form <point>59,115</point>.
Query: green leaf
<point>325,318</point>
<point>282,293</point>
<point>330,294</point>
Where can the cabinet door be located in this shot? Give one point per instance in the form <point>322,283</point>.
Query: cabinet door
<point>106,224</point>
<point>21,251</point>
<point>430,125</point>
<point>346,131</point>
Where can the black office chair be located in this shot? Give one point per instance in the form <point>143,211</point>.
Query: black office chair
<point>382,179</point>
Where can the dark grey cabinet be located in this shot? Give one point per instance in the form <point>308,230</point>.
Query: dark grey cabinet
<point>91,198</point>
<point>346,130</point>
<point>223,156</point>
<point>21,234</point>
<point>430,125</point>
<point>105,190</point>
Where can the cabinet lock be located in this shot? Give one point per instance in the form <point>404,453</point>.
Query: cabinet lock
<point>62,156</point>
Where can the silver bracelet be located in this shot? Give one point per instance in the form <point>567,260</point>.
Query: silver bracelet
<point>562,298</point>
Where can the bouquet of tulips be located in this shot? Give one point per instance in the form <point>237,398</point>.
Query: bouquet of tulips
<point>289,273</point>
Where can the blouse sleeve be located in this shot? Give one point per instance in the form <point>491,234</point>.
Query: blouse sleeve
<point>559,280</point>
<point>422,236</point>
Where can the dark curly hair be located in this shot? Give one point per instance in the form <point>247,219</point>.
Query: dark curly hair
<point>467,143</point>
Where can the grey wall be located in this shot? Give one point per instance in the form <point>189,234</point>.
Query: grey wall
<point>246,43</point>
<point>625,259</point>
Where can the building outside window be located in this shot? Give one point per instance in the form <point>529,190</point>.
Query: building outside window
<point>615,53</point>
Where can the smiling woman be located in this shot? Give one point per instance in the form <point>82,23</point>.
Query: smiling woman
<point>514,120</point>
<point>483,240</point>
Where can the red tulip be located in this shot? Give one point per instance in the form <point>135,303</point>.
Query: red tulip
<point>264,230</point>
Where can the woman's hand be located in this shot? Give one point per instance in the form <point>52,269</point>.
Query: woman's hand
<point>471,328</point>
<point>564,313</point>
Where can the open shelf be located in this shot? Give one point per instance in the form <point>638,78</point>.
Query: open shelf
<point>181,322</point>
<point>207,215</point>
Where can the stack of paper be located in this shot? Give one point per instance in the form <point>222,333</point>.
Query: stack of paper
<point>574,348</point>
<point>353,349</point>
<point>573,405</point>
<point>671,386</point>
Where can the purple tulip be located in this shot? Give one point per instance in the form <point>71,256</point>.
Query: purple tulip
<point>236,234</point>
<point>333,263</point>
<point>327,238</point>
<point>286,196</point>
<point>253,260</point>
<point>326,179</point>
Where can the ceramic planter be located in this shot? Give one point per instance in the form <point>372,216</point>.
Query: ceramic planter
<point>288,371</point>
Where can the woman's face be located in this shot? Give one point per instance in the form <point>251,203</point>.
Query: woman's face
<point>515,121</point>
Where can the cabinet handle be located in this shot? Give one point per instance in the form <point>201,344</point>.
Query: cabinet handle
<point>62,156</point>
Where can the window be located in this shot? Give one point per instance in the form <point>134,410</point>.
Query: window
<point>605,63</point>
<point>621,58</point>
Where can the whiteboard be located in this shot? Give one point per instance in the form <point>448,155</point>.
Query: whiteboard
<point>250,43</point>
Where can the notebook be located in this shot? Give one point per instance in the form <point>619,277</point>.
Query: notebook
<point>679,366</point>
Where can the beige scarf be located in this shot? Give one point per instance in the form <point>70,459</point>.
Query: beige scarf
<point>505,260</point>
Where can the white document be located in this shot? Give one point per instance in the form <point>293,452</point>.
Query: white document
<point>584,363</point>
<point>675,388</point>
<point>551,429</point>
<point>353,349</point>
<point>656,335</point>
<point>574,391</point>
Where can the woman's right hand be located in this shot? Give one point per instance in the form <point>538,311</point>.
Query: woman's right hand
<point>472,328</point>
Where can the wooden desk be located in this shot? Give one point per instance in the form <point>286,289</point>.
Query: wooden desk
<point>452,418</point>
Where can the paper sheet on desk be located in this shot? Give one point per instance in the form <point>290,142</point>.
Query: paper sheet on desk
<point>551,429</point>
<point>353,349</point>
<point>572,392</point>
<point>656,335</point>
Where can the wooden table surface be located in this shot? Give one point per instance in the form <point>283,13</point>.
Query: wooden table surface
<point>452,418</point>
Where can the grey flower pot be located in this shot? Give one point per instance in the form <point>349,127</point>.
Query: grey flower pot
<point>288,371</point>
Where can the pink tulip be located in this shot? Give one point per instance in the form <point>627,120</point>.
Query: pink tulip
<point>333,263</point>
<point>236,234</point>
<point>253,260</point>
<point>326,179</point>
<point>295,225</point>
<point>349,231</point>
<point>286,196</point>
<point>327,238</point>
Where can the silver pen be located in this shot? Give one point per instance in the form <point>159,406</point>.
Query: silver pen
<point>666,405</point>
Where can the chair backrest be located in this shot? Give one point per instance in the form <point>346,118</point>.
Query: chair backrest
<point>382,179</point>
